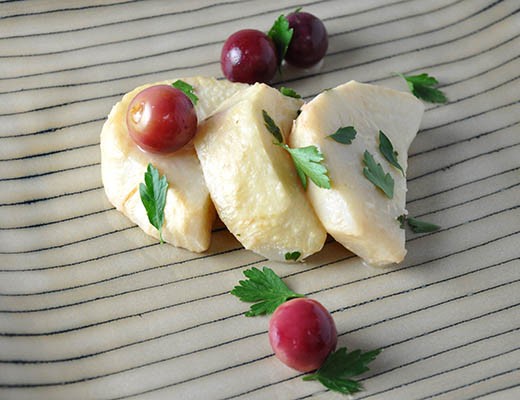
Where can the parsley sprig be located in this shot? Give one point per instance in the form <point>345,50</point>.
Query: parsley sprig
<point>153,197</point>
<point>374,173</point>
<point>292,256</point>
<point>268,291</point>
<point>187,89</point>
<point>272,127</point>
<point>416,225</point>
<point>307,160</point>
<point>344,135</point>
<point>281,35</point>
<point>289,92</point>
<point>422,87</point>
<point>265,289</point>
<point>387,150</point>
<point>340,366</point>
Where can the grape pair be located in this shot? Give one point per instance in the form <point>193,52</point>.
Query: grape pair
<point>250,55</point>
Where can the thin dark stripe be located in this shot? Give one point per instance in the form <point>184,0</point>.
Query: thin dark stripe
<point>59,10</point>
<point>49,153</point>
<point>513,386</point>
<point>501,190</point>
<point>60,246</point>
<point>470,116</point>
<point>443,169</point>
<point>40,225</point>
<point>463,184</point>
<point>37,200</point>
<point>477,136</point>
<point>17,178</point>
<point>50,130</point>
<point>472,383</point>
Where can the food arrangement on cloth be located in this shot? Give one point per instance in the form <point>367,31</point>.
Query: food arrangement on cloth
<point>237,164</point>
<point>280,173</point>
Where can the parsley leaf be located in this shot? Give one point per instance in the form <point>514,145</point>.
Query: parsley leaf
<point>289,92</point>
<point>187,89</point>
<point>375,174</point>
<point>422,87</point>
<point>153,197</point>
<point>340,366</point>
<point>344,135</point>
<point>401,219</point>
<point>416,225</point>
<point>307,161</point>
<point>265,289</point>
<point>419,226</point>
<point>281,35</point>
<point>293,256</point>
<point>387,150</point>
<point>272,127</point>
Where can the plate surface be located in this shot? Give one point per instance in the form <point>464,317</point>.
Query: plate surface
<point>91,308</point>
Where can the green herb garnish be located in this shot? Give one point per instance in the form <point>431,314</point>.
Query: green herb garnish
<point>272,127</point>
<point>416,225</point>
<point>281,35</point>
<point>307,161</point>
<point>289,92</point>
<point>375,174</point>
<point>340,366</point>
<point>387,150</point>
<point>344,135</point>
<point>419,226</point>
<point>401,219</point>
<point>153,196</point>
<point>265,289</point>
<point>422,87</point>
<point>292,256</point>
<point>187,89</point>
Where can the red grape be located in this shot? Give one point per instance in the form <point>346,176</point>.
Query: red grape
<point>302,333</point>
<point>249,56</point>
<point>309,42</point>
<point>161,119</point>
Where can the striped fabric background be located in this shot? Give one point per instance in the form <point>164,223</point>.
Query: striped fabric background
<point>91,308</point>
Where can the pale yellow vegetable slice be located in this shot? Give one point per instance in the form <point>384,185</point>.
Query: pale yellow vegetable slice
<point>354,211</point>
<point>253,182</point>
<point>189,212</point>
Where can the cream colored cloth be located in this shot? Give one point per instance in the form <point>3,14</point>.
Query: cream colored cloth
<point>92,308</point>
